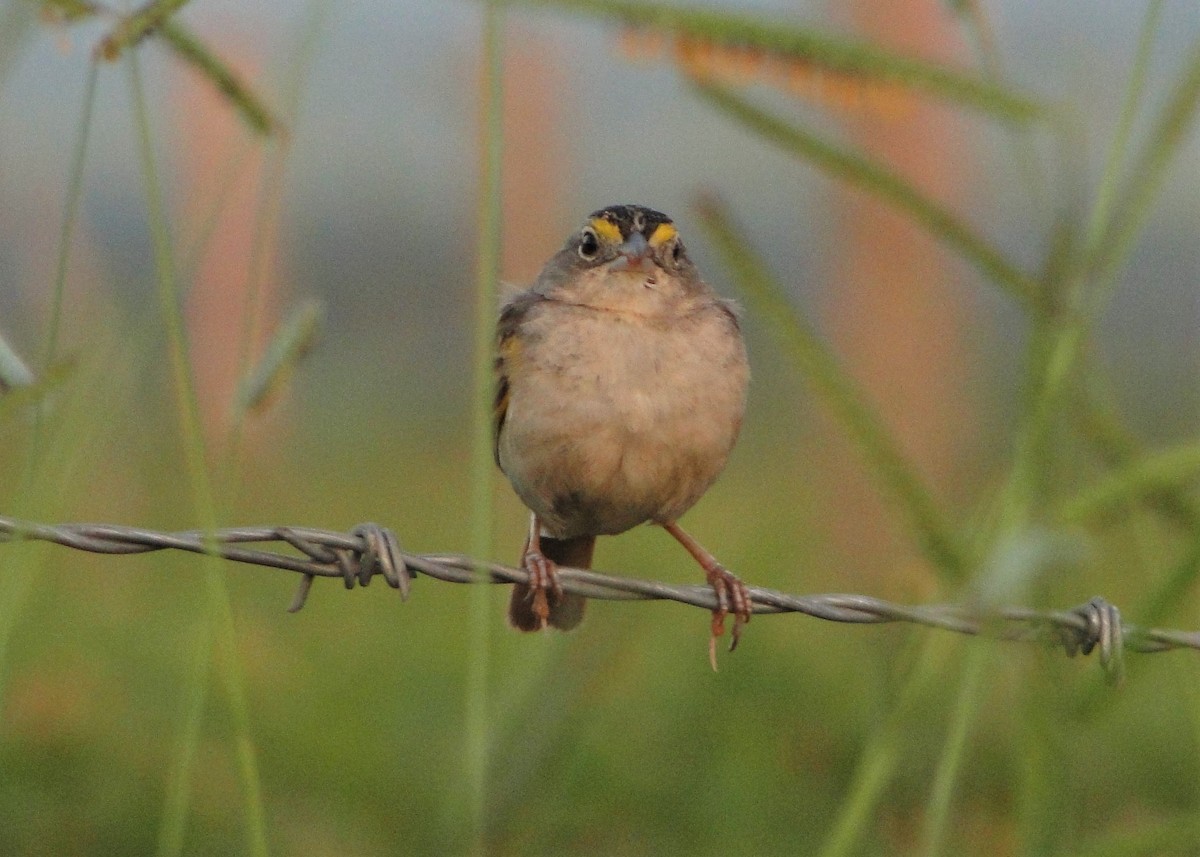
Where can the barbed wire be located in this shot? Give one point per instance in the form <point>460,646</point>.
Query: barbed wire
<point>368,550</point>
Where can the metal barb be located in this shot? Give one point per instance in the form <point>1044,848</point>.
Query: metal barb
<point>1103,629</point>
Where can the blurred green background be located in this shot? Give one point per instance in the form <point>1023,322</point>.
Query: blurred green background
<point>965,237</point>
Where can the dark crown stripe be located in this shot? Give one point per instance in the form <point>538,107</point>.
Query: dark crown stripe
<point>623,217</point>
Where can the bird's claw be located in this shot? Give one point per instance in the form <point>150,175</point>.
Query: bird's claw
<point>732,597</point>
<point>543,577</point>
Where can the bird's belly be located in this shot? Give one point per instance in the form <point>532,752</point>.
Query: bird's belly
<point>605,478</point>
<point>632,431</point>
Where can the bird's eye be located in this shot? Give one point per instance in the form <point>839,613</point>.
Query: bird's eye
<point>677,252</point>
<point>589,244</point>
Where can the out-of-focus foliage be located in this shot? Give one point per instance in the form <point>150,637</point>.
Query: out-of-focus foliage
<point>160,703</point>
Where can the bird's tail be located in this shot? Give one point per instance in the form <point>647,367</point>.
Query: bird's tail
<point>566,610</point>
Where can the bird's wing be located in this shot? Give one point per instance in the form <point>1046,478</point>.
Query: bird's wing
<point>509,346</point>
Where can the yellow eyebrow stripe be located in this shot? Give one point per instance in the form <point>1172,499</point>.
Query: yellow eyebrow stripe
<point>607,230</point>
<point>664,233</point>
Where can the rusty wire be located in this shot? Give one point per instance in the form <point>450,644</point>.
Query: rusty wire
<point>369,550</point>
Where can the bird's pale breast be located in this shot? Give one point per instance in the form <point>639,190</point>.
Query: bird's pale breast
<point>618,418</point>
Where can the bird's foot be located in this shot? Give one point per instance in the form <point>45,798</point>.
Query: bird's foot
<point>543,577</point>
<point>732,597</point>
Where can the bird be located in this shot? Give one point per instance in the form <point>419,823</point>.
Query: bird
<point>621,381</point>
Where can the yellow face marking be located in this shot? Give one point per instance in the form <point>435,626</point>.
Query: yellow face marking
<point>664,233</point>
<point>510,350</point>
<point>608,231</point>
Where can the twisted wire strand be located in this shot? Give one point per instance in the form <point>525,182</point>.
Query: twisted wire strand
<point>369,550</point>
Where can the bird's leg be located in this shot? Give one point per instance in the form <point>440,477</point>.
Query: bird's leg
<point>542,572</point>
<point>732,595</point>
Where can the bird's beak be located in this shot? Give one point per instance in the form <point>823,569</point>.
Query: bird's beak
<point>634,255</point>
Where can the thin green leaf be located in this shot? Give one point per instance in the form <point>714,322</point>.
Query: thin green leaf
<point>881,182</point>
<point>71,209</point>
<point>1168,470</point>
<point>178,788</point>
<point>975,23</point>
<point>191,50</point>
<point>69,10</point>
<point>1173,589</point>
<point>1150,170</point>
<point>896,475</point>
<point>220,611</point>
<point>1068,331</point>
<point>822,51</point>
<point>971,695</point>
<point>291,343</point>
<point>979,32</point>
<point>478,752</point>
<point>883,753</point>
<point>135,26</point>
<point>266,217</point>
<point>1066,359</point>
<point>1119,145</point>
<point>155,17</point>
<point>1116,445</point>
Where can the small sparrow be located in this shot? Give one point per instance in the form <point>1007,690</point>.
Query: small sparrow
<point>621,385</point>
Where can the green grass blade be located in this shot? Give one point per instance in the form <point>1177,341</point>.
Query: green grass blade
<point>1167,470</point>
<point>1095,418</point>
<point>1119,146</point>
<point>822,52</point>
<point>1102,426</point>
<point>1148,173</point>
<point>179,780</point>
<point>1066,336</point>
<point>945,778</point>
<point>877,180</point>
<point>882,753</point>
<point>979,31</point>
<point>292,342</point>
<point>249,105</point>
<point>220,611</point>
<point>1119,448</point>
<point>35,467</point>
<point>135,26</point>
<point>67,11</point>
<point>1157,481</point>
<point>877,765</point>
<point>1173,590</point>
<point>1033,468</point>
<point>295,80</point>
<point>171,315</point>
<point>896,476</point>
<point>70,215</point>
<point>478,745</point>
